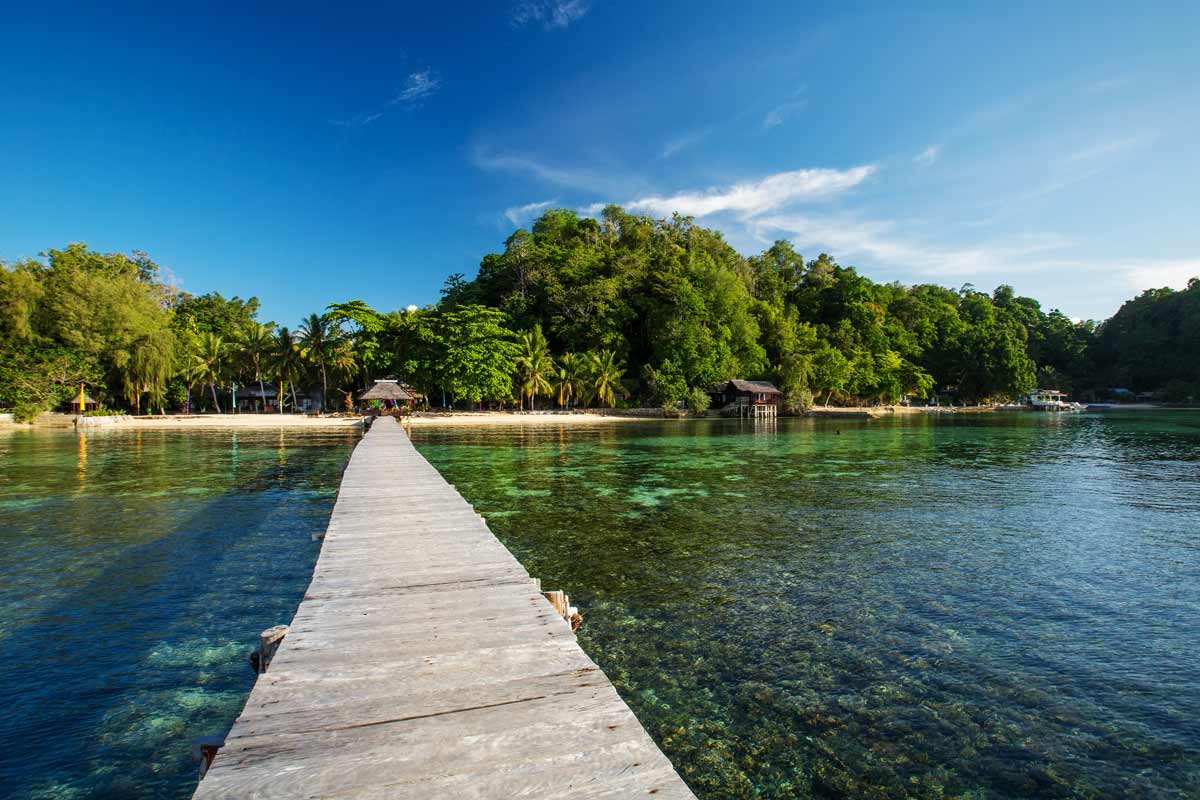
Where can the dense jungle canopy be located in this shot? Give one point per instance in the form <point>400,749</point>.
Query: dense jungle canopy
<point>578,310</point>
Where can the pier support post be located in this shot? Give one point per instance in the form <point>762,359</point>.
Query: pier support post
<point>562,604</point>
<point>204,750</point>
<point>268,642</point>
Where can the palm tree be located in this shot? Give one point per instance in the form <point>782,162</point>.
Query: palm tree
<point>256,343</point>
<point>568,378</point>
<point>287,363</point>
<point>606,373</point>
<point>344,362</point>
<point>535,365</point>
<point>206,363</point>
<point>316,340</point>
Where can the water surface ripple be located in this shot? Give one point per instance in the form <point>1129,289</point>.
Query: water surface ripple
<point>972,606</point>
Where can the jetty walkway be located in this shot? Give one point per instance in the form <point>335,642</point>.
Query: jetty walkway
<point>424,662</point>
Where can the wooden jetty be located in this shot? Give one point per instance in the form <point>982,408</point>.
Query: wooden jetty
<point>424,662</point>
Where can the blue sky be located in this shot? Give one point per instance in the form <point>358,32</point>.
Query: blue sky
<point>311,153</point>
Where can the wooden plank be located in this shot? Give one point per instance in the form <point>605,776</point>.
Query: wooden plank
<point>424,661</point>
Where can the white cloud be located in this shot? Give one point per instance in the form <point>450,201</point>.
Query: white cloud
<point>1175,273</point>
<point>673,146</point>
<point>517,214</point>
<point>751,198</point>
<point>549,13</point>
<point>418,87</point>
<point>928,155</point>
<point>879,242</point>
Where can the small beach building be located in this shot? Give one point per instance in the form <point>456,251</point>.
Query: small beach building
<point>750,394</point>
<point>388,394</point>
<point>255,398</point>
<point>88,404</point>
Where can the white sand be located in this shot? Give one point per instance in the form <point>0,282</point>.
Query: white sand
<point>498,418</point>
<point>239,421</point>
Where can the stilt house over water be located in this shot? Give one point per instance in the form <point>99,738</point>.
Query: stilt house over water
<point>754,396</point>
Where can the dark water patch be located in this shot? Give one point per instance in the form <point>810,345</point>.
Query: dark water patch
<point>137,589</point>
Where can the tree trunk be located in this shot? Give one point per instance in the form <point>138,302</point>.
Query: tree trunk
<point>282,392</point>
<point>324,388</point>
<point>187,398</point>
<point>262,391</point>
<point>216,402</point>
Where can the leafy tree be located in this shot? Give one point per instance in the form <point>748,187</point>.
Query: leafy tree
<point>147,370</point>
<point>698,401</point>
<point>478,355</point>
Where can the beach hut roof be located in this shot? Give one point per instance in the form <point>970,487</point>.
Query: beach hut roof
<point>87,398</point>
<point>386,390</point>
<point>755,386</point>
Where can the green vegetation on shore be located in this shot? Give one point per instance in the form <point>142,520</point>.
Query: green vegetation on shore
<point>580,311</point>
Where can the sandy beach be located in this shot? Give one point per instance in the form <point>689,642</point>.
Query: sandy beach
<point>484,418</point>
<point>225,421</point>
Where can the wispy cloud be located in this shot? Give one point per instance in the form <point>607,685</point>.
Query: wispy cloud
<point>784,111</point>
<point>928,155</point>
<point>550,14</point>
<point>1106,85</point>
<point>605,182</point>
<point>674,146</point>
<point>1105,148</point>
<point>518,214</point>
<point>357,121</point>
<point>880,242</point>
<point>418,87</point>
<point>750,198</point>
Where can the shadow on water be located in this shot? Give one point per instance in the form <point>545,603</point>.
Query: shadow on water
<point>120,665</point>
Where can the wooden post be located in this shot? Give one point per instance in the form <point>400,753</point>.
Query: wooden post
<point>268,642</point>
<point>562,604</point>
<point>204,750</point>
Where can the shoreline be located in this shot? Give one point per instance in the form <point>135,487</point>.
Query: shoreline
<point>456,419</point>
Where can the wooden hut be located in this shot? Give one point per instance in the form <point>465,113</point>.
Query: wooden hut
<point>389,394</point>
<point>754,398</point>
<point>88,404</point>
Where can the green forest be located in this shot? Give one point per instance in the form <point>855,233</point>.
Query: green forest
<point>617,310</point>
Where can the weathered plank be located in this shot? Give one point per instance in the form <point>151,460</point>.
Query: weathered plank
<point>425,662</point>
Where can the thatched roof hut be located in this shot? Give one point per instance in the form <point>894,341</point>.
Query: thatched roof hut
<point>387,390</point>
<point>88,402</point>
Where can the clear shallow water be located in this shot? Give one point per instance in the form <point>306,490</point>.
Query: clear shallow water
<point>976,606</point>
<point>136,570</point>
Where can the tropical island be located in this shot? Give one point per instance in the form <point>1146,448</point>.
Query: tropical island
<point>617,310</point>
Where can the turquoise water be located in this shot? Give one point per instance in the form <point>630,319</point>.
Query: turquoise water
<point>971,606</point>
<point>136,570</point>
